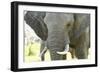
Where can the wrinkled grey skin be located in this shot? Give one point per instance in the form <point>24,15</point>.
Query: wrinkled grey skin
<point>60,29</point>
<point>63,29</point>
<point>80,40</point>
<point>36,21</point>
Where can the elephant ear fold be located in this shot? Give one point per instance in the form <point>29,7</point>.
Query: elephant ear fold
<point>82,22</point>
<point>36,21</point>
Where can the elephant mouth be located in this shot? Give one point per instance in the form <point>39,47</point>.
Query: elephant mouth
<point>65,51</point>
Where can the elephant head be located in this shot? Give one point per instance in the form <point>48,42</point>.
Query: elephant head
<point>59,26</point>
<point>67,30</point>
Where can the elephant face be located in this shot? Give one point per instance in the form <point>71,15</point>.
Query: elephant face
<point>59,26</point>
<point>65,29</point>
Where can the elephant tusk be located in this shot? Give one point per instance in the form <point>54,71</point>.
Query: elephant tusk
<point>65,51</point>
<point>45,49</point>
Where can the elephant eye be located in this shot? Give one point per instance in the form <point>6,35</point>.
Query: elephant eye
<point>68,25</point>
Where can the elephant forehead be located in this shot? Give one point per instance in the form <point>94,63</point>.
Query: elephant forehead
<point>67,17</point>
<point>56,18</point>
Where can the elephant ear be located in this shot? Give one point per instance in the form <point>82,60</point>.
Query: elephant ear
<point>36,21</point>
<point>82,21</point>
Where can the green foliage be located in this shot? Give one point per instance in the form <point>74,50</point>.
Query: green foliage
<point>32,51</point>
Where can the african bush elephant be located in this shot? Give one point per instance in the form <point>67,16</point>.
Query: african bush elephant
<point>64,30</point>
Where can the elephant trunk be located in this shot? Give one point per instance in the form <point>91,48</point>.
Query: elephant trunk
<point>66,46</point>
